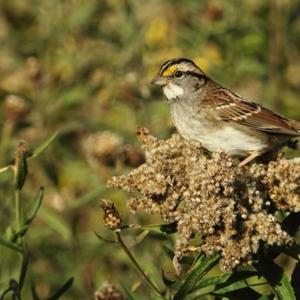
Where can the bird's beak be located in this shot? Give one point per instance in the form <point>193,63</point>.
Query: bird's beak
<point>159,80</point>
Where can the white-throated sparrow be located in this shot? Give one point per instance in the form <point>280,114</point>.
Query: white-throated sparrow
<point>205,112</point>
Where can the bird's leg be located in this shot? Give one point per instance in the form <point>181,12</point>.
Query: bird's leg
<point>249,158</point>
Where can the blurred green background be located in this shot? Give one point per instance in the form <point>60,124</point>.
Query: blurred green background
<point>83,67</point>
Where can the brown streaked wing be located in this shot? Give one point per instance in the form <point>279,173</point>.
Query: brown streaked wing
<point>249,114</point>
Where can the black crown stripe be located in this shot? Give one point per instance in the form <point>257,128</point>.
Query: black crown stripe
<point>175,61</point>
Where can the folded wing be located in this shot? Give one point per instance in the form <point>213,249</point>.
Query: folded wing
<point>231,108</point>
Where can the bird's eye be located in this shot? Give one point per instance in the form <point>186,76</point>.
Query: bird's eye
<point>178,74</point>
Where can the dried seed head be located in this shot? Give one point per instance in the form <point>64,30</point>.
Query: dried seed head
<point>33,67</point>
<point>22,150</point>
<point>20,166</point>
<point>108,148</point>
<point>15,109</point>
<point>101,146</point>
<point>108,291</point>
<point>228,205</point>
<point>111,217</point>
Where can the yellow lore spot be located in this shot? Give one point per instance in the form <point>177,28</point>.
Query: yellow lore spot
<point>170,70</point>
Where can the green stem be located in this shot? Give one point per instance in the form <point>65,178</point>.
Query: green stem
<point>17,210</point>
<point>5,139</point>
<point>138,267</point>
<point>4,169</point>
<point>20,239</point>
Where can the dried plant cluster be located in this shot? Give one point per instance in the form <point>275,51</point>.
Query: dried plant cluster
<point>108,148</point>
<point>111,218</point>
<point>230,207</point>
<point>108,291</point>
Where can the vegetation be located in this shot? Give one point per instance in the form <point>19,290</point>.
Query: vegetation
<point>83,68</point>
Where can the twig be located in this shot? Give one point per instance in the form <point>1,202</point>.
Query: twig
<point>17,209</point>
<point>4,169</point>
<point>136,264</point>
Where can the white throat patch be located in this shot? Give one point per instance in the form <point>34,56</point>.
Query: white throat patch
<point>172,91</point>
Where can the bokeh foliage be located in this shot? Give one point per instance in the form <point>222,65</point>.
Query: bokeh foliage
<point>83,67</point>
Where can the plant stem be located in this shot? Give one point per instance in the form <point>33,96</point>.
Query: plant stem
<point>17,210</point>
<point>136,264</point>
<point>5,168</point>
<point>5,138</point>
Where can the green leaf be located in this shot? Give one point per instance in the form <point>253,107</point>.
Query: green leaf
<point>10,245</point>
<point>226,284</point>
<point>232,287</point>
<point>9,233</point>
<point>213,280</point>
<point>128,293</point>
<point>21,172</point>
<point>284,289</point>
<point>102,239</point>
<point>153,227</point>
<point>4,293</point>
<point>234,284</point>
<point>34,293</point>
<point>295,280</point>
<point>207,285</point>
<point>23,271</point>
<point>40,149</point>
<point>203,265</point>
<point>240,291</point>
<point>140,237</point>
<point>265,297</point>
<point>169,228</point>
<point>168,251</point>
<point>56,222</point>
<point>4,169</point>
<point>62,290</point>
<point>20,233</point>
<point>237,277</point>
<point>278,280</point>
<point>35,205</point>
<point>246,293</point>
<point>20,167</point>
<point>87,198</point>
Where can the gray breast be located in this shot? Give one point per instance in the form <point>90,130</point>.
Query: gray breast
<point>198,126</point>
<point>189,123</point>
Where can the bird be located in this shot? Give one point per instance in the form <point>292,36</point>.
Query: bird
<point>221,121</point>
